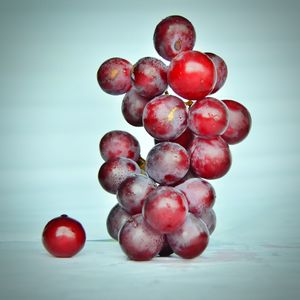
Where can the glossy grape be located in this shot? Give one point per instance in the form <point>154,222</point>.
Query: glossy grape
<point>114,76</point>
<point>191,239</point>
<point>173,35</point>
<point>239,122</point>
<point>210,158</point>
<point>132,192</point>
<point>167,163</point>
<point>138,240</point>
<point>116,218</point>
<point>192,75</point>
<point>165,117</point>
<point>114,171</point>
<point>165,209</point>
<point>118,143</point>
<point>63,236</point>
<point>208,117</point>
<point>149,77</point>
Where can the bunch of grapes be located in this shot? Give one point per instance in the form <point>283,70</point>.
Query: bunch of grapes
<point>165,202</point>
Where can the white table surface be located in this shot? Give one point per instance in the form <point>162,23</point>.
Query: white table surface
<point>101,271</point>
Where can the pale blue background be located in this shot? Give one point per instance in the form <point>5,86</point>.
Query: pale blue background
<point>53,113</point>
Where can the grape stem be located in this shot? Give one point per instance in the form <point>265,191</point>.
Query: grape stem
<point>189,103</point>
<point>142,163</point>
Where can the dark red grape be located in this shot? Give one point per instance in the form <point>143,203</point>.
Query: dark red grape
<point>199,193</point>
<point>116,218</point>
<point>138,240</point>
<point>210,158</point>
<point>114,76</point>
<point>133,106</point>
<point>165,209</point>
<point>192,75</point>
<point>173,35</point>
<point>191,239</point>
<point>118,143</point>
<point>166,250</point>
<point>208,216</point>
<point>239,122</point>
<point>114,171</point>
<point>208,117</point>
<point>149,77</point>
<point>132,192</point>
<point>167,163</point>
<point>221,69</point>
<point>165,117</point>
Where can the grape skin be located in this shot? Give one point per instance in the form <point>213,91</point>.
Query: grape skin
<point>118,143</point>
<point>191,239</point>
<point>192,75</point>
<point>138,240</point>
<point>208,216</point>
<point>132,108</point>
<point>199,193</point>
<point>173,35</point>
<point>116,218</point>
<point>114,171</point>
<point>167,163</point>
<point>221,69</point>
<point>165,209</point>
<point>114,76</point>
<point>208,118</point>
<point>132,192</point>
<point>149,77</point>
<point>239,122</point>
<point>165,117</point>
<point>210,158</point>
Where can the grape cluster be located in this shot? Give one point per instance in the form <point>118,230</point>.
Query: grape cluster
<point>165,201</point>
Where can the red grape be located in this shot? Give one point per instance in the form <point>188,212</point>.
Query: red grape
<point>199,193</point>
<point>208,216</point>
<point>116,218</point>
<point>208,117</point>
<point>173,35</point>
<point>221,69</point>
<point>133,191</point>
<point>192,75</point>
<point>114,76</point>
<point>133,106</point>
<point>149,77</point>
<point>239,122</point>
<point>114,171</point>
<point>165,209</point>
<point>191,239</point>
<point>167,163</point>
<point>210,158</point>
<point>138,240</point>
<point>165,117</point>
<point>63,236</point>
<point>118,143</point>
